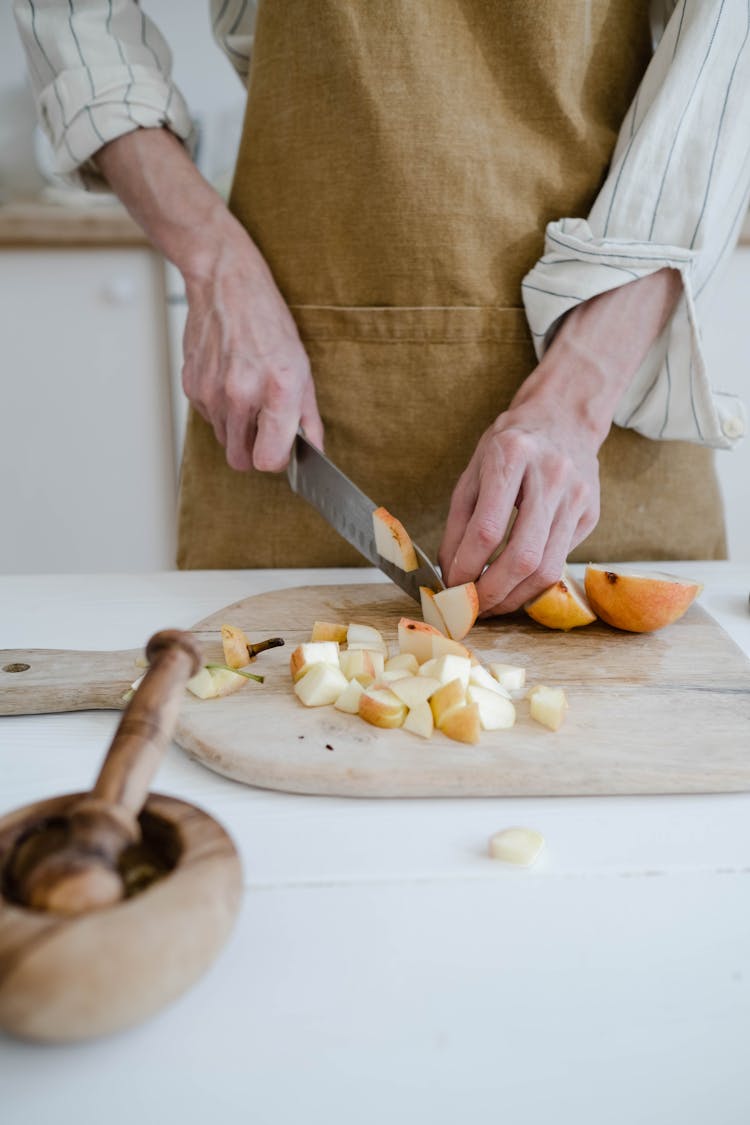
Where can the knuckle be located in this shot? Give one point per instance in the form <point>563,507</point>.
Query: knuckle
<point>528,559</point>
<point>487,534</point>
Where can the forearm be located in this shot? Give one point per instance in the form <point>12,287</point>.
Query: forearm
<point>597,351</point>
<point>182,215</point>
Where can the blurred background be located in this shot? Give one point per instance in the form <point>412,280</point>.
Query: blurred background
<point>91,321</point>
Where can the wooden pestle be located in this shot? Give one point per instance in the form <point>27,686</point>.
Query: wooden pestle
<point>73,867</point>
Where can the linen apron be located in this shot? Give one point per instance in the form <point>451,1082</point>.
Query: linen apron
<point>398,165</point>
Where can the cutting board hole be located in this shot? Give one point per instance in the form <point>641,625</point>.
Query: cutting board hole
<point>16,668</point>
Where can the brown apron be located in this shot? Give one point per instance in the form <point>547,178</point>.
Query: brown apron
<point>398,165</point>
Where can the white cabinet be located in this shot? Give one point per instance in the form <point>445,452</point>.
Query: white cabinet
<point>86,448</point>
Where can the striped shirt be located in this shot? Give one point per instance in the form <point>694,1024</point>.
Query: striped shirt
<point>676,193</point>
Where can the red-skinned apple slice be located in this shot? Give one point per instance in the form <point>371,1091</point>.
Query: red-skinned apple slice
<point>462,724</point>
<point>381,708</point>
<point>561,606</point>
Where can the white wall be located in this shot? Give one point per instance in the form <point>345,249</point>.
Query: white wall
<point>213,91</point>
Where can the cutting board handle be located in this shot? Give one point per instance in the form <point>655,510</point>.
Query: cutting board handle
<point>48,681</point>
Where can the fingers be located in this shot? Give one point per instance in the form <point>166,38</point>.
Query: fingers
<point>499,588</point>
<point>481,533</point>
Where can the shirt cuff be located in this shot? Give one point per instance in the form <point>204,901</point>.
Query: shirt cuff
<point>671,397</point>
<point>80,113</point>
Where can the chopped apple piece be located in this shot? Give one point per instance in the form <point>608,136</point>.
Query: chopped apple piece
<point>405,660</point>
<point>364,635</point>
<point>416,637</point>
<point>446,668</point>
<point>393,675</point>
<point>520,846</point>
<point>444,646</point>
<point>201,684</point>
<point>235,645</point>
<point>327,631</point>
<point>638,602</point>
<point>413,690</point>
<point>310,653</point>
<point>321,685</point>
<point>419,720</point>
<point>458,606</point>
<point>348,701</point>
<point>563,605</point>
<point>462,724</point>
<point>359,665</point>
<point>392,541</point>
<point>482,678</point>
<point>430,611</point>
<point>448,697</point>
<point>510,676</point>
<point>495,711</point>
<point>381,708</point>
<point>548,706</point>
<point>213,683</point>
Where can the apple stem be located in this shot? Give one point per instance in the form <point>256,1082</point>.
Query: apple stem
<point>261,646</point>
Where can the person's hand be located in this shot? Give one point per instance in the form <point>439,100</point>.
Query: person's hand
<point>540,456</point>
<point>245,369</point>
<point>547,468</point>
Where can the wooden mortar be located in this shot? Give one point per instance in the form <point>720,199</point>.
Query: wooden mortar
<point>112,902</point>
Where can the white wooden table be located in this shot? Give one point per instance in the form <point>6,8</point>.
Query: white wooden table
<point>383,969</point>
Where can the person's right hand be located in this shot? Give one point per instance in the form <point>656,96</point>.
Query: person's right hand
<point>245,369</point>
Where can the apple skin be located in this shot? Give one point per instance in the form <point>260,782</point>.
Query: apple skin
<point>381,708</point>
<point>638,602</point>
<point>562,605</point>
<point>392,540</point>
<point>458,606</point>
<point>462,724</point>
<point>235,646</point>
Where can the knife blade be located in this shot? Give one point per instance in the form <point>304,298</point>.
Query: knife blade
<point>349,512</point>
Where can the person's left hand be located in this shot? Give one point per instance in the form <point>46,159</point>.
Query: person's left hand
<point>546,466</point>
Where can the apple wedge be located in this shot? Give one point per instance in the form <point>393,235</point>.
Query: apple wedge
<point>382,708</point>
<point>328,631</point>
<point>348,701</point>
<point>479,676</point>
<point>310,653</point>
<point>392,541</point>
<point>360,665</point>
<point>213,683</point>
<point>458,606</point>
<point>444,646</point>
<point>519,846</point>
<point>446,668</point>
<point>365,636</point>
<point>235,645</point>
<point>419,720</point>
<point>635,601</point>
<point>548,706</point>
<point>563,605</point>
<point>448,697</point>
<point>405,660</point>
<point>430,611</point>
<point>495,711</point>
<point>413,690</point>
<point>510,676</point>
<point>321,685</point>
<point>462,724</point>
<point>416,637</point>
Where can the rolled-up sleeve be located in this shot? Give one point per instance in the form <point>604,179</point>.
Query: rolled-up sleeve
<point>99,69</point>
<point>675,196</point>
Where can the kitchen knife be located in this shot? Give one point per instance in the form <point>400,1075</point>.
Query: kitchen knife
<point>347,509</point>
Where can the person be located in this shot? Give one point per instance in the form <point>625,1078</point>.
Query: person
<point>466,246</point>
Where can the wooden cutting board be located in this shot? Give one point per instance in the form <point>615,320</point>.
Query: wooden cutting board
<point>667,712</point>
